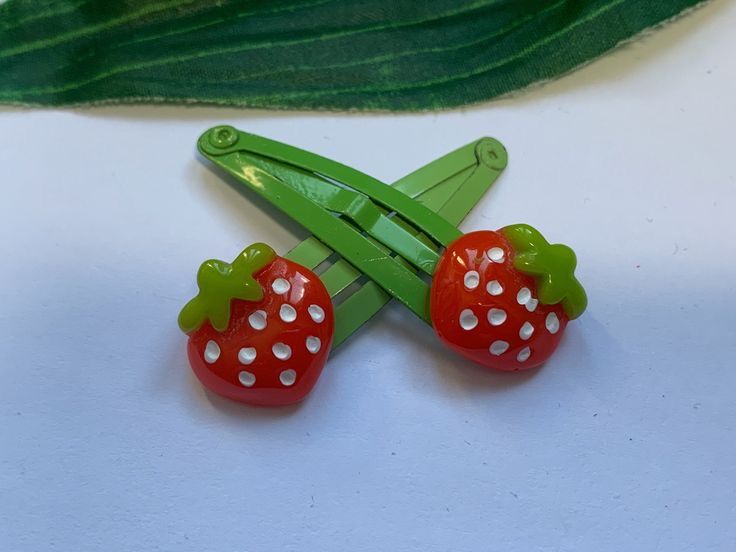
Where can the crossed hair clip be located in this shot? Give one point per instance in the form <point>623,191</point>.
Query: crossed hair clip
<point>262,326</point>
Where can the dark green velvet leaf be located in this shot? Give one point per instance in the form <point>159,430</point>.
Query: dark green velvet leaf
<point>309,54</point>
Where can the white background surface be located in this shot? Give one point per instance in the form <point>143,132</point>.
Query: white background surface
<point>624,441</point>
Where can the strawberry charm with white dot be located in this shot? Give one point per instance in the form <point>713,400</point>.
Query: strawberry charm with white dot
<point>504,298</point>
<point>260,329</point>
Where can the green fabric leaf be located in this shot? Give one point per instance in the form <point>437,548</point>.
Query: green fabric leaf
<point>297,54</point>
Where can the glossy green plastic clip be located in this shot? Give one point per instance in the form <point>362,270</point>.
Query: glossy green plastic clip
<point>387,233</point>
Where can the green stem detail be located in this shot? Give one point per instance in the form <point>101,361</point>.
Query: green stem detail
<point>551,265</point>
<point>220,282</point>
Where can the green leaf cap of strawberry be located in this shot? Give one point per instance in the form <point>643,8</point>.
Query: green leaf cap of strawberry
<point>220,282</point>
<point>551,265</point>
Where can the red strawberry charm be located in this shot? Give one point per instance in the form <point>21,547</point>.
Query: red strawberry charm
<point>260,329</point>
<point>504,298</point>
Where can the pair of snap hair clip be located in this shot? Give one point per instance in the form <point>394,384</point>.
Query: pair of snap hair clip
<point>261,327</point>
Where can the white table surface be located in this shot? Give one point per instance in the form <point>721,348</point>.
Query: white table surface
<point>624,441</point>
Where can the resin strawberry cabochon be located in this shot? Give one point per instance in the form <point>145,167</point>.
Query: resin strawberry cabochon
<point>261,327</point>
<point>490,298</point>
